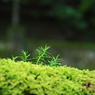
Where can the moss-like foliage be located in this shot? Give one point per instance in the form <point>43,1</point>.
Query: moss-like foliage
<point>24,78</point>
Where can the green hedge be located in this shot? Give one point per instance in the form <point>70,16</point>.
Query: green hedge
<point>24,78</point>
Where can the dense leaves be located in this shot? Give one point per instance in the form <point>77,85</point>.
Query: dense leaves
<point>78,16</point>
<point>24,78</point>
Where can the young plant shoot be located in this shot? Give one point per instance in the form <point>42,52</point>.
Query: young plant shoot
<point>43,57</point>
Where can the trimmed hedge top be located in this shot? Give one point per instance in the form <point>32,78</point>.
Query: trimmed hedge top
<point>25,78</point>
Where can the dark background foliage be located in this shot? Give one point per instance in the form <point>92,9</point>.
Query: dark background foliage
<point>23,23</point>
<point>75,20</point>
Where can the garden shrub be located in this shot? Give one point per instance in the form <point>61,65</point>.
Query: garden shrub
<point>25,78</point>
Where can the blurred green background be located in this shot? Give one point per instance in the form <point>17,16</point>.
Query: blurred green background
<point>66,25</point>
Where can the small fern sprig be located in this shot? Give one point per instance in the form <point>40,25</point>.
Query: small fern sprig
<point>24,56</point>
<point>55,61</point>
<point>44,57</point>
<point>42,54</point>
<point>14,58</point>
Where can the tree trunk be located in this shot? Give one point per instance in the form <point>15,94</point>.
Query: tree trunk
<point>16,31</point>
<point>15,12</point>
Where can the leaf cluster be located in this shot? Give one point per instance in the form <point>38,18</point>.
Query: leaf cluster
<point>24,78</point>
<point>44,57</point>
